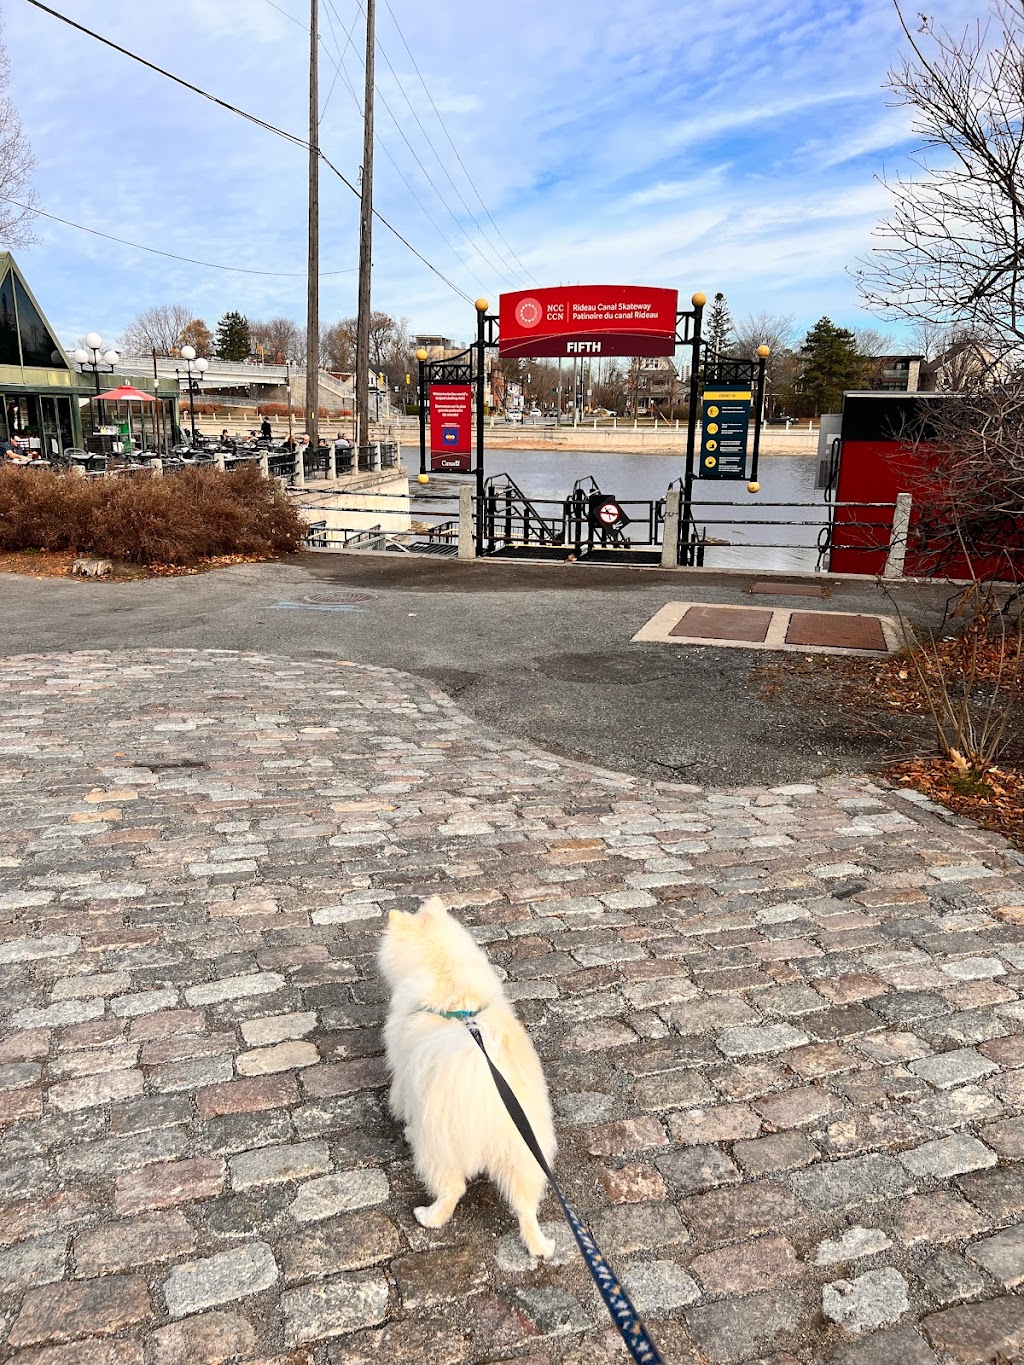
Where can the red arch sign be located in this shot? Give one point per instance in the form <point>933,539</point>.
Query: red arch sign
<point>588,320</point>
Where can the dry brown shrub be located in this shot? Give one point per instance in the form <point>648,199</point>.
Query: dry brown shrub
<point>43,511</point>
<point>178,519</point>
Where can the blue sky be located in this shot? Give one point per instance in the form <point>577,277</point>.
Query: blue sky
<point>695,145</point>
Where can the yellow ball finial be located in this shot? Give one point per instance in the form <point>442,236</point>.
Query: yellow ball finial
<point>753,487</point>
<point>699,300</point>
<point>482,305</point>
<point>421,354</point>
<point>422,478</point>
<point>764,352</point>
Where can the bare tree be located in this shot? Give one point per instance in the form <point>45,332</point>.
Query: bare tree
<point>871,343</point>
<point>17,197</point>
<point>777,332</point>
<point>951,248</point>
<point>338,346</point>
<point>279,339</point>
<point>159,329</point>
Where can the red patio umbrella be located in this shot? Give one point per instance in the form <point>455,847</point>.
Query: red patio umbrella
<point>127,393</point>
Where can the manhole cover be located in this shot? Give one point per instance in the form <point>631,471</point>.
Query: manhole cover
<point>336,599</point>
<point>836,630</point>
<point>723,623</point>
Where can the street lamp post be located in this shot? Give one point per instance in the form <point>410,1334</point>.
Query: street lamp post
<point>94,358</point>
<point>422,356</point>
<point>194,371</point>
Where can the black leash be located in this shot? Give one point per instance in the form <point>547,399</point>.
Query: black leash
<point>617,1301</point>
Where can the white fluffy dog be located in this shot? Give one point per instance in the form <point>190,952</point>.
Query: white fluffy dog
<point>441,1089</point>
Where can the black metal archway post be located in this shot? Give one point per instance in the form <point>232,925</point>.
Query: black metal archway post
<point>722,370</point>
<point>467,367</point>
<point>689,335</point>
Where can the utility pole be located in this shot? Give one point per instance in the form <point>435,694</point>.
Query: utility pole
<point>365,241</point>
<point>313,259</point>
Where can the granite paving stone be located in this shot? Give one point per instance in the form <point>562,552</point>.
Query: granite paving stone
<point>781,1031</point>
<point>1002,1255</point>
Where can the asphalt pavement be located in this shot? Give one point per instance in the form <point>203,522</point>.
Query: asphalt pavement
<point>540,652</point>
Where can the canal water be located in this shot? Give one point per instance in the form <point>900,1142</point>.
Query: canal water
<point>751,543</point>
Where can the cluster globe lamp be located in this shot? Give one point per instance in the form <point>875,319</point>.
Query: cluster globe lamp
<point>91,356</point>
<point>194,371</point>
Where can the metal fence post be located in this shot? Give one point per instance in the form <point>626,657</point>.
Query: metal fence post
<point>897,556</point>
<point>265,463</point>
<point>467,541</point>
<point>220,460</point>
<point>670,532</point>
<point>157,466</point>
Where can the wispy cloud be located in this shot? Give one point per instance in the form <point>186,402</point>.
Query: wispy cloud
<point>696,145</point>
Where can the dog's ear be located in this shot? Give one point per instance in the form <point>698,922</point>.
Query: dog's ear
<point>398,920</point>
<point>432,907</point>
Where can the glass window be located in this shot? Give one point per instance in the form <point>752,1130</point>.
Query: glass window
<point>9,352</point>
<point>37,345</point>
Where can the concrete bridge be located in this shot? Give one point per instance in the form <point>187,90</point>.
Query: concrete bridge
<point>258,381</point>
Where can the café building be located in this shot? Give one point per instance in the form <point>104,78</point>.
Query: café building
<point>45,400</point>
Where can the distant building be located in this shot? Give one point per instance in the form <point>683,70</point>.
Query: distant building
<point>656,386</point>
<point>436,347</point>
<point>894,373</point>
<point>959,364</point>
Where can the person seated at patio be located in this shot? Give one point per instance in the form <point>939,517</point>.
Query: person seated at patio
<point>225,439</point>
<point>13,451</point>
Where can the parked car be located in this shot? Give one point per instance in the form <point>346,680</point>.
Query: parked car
<point>514,416</point>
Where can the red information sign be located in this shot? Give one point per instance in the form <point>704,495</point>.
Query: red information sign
<point>451,427</point>
<point>589,319</point>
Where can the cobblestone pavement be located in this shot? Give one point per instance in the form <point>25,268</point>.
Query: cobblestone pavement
<point>781,1028</point>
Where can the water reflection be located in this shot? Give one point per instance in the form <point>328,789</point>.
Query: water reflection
<point>785,479</point>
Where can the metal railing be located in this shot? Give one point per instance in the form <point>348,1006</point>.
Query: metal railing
<point>824,523</point>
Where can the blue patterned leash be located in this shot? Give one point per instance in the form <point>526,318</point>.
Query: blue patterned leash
<point>616,1300</point>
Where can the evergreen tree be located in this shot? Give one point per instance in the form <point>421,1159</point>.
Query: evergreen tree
<point>831,363</point>
<point>233,339</point>
<point>720,328</point>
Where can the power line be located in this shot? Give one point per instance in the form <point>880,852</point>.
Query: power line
<point>429,179</point>
<point>419,122</point>
<point>394,231</point>
<point>401,174</point>
<point>268,127</point>
<point>190,260</point>
<point>451,144</point>
<point>287,15</point>
<point>339,70</point>
<point>341,54</point>
<point>214,99</point>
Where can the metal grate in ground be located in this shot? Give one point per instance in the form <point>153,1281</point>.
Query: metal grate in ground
<point>776,628</point>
